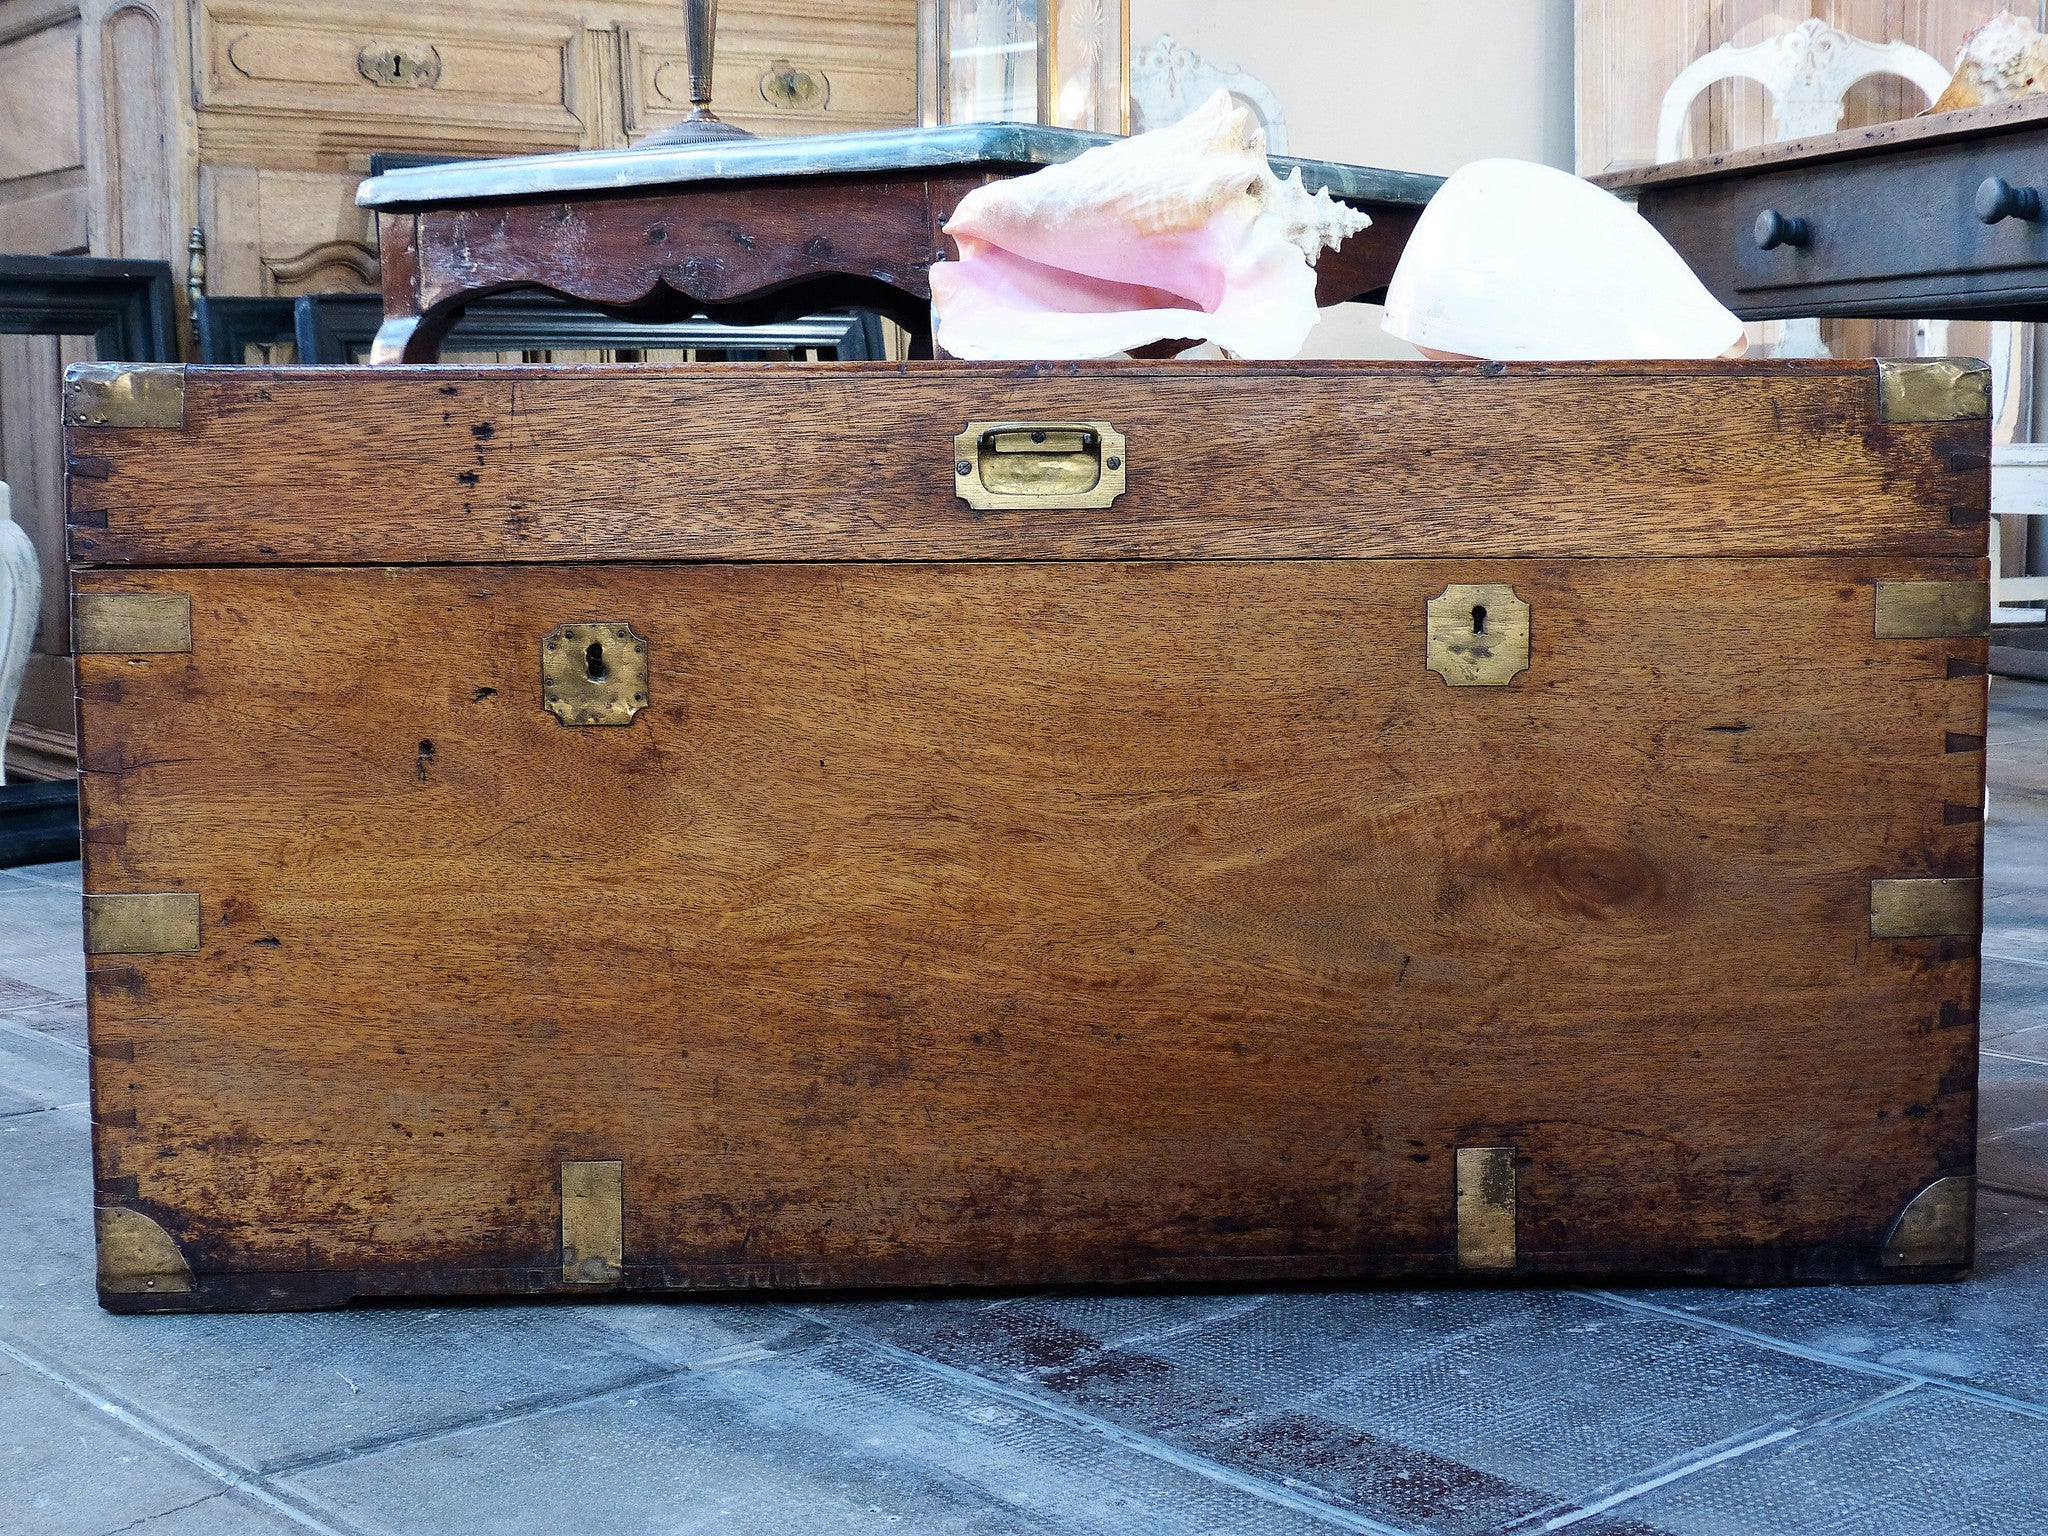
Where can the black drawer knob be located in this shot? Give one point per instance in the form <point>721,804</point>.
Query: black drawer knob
<point>1773,229</point>
<point>2000,199</point>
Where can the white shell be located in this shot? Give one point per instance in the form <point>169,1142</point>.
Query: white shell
<point>1518,261</point>
<point>1182,232</point>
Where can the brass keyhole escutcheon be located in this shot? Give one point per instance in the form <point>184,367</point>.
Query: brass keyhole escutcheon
<point>1478,636</point>
<point>593,674</point>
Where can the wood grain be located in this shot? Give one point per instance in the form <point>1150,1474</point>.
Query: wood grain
<point>854,462</point>
<point>1024,922</point>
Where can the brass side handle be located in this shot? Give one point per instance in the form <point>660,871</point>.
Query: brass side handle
<point>1044,465</point>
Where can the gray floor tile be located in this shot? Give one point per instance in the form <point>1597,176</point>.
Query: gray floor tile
<point>270,1390</point>
<point>2012,1124</point>
<point>836,1439</point>
<point>67,1469</point>
<point>2015,998</point>
<point>43,1066</point>
<point>225,1514</point>
<point>2016,842</point>
<point>39,939</point>
<point>69,875</point>
<point>19,994</point>
<point>63,1021</point>
<point>2016,926</point>
<point>1926,1464</point>
<point>2027,1044</point>
<point>1989,1331</point>
<point>1442,1412</point>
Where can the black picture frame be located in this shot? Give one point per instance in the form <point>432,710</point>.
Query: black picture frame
<point>229,325</point>
<point>129,308</point>
<point>337,328</point>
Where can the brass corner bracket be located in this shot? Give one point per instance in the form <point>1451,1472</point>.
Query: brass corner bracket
<point>131,623</point>
<point>124,395</point>
<point>136,1256</point>
<point>1933,389</point>
<point>1937,1226</point>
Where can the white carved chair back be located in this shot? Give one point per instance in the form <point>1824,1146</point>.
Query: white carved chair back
<point>1806,72</point>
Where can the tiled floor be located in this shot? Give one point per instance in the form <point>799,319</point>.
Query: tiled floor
<point>1921,1411</point>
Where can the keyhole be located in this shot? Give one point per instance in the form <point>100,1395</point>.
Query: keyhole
<point>1478,619</point>
<point>593,662</point>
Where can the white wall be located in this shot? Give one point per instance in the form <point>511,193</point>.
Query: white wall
<point>1411,85</point>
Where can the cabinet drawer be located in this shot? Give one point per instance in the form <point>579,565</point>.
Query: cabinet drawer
<point>1901,216</point>
<point>419,69</point>
<point>786,68</point>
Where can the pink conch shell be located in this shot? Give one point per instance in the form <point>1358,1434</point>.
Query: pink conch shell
<point>1184,232</point>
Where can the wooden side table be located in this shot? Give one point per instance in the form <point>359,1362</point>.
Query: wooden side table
<point>1925,218</point>
<point>756,230</point>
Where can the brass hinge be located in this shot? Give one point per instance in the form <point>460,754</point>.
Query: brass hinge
<point>153,923</point>
<point>1486,1207</point>
<point>593,1223</point>
<point>124,395</point>
<point>1933,389</point>
<point>1926,909</point>
<point>131,623</point>
<point>1932,610</point>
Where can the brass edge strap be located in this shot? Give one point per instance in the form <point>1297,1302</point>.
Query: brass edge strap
<point>1933,389</point>
<point>131,623</point>
<point>1926,909</point>
<point>1932,610</point>
<point>1486,1207</point>
<point>593,1223</point>
<point>142,923</point>
<point>124,395</point>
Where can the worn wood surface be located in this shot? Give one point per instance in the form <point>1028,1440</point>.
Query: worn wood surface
<point>1029,922</point>
<point>854,462</point>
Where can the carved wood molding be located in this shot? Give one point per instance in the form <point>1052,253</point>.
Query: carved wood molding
<point>356,256</point>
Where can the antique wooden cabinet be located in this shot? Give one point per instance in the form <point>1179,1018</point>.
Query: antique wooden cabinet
<point>558,830</point>
<point>137,121</point>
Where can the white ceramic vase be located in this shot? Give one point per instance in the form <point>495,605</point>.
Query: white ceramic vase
<point>21,601</point>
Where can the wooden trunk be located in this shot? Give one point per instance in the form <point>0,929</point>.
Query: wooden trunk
<point>1011,895</point>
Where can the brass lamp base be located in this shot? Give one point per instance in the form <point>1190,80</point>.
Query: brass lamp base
<point>700,127</point>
